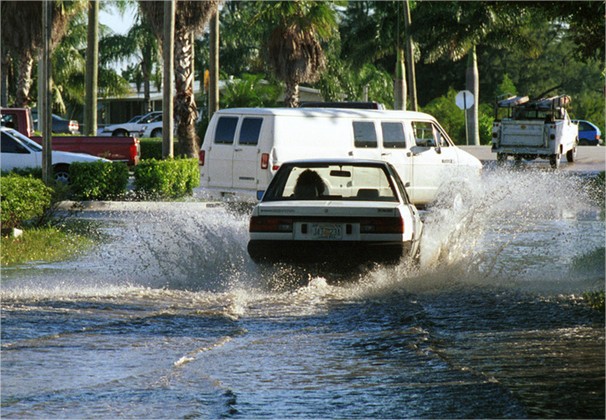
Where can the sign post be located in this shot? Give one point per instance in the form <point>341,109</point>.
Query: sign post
<point>464,100</point>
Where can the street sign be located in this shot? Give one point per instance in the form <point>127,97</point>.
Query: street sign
<point>464,99</point>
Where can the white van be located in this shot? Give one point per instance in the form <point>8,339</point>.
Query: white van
<point>244,147</point>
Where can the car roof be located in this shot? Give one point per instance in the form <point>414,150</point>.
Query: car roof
<point>345,161</point>
<point>324,112</point>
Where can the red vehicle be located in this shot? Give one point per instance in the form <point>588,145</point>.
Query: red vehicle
<point>125,149</point>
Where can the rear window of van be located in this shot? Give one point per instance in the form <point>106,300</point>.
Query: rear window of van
<point>249,133</point>
<point>226,130</point>
<point>365,134</point>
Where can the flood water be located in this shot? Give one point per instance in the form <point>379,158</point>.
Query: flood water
<point>168,318</point>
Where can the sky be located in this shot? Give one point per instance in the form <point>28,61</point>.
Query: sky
<point>118,24</point>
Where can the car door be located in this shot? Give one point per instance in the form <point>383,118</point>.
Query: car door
<point>433,160</point>
<point>395,150</point>
<point>16,155</point>
<point>246,154</point>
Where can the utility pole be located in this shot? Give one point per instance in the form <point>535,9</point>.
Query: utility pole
<point>213,87</point>
<point>168,41</point>
<point>410,60</point>
<point>92,61</point>
<point>44,111</point>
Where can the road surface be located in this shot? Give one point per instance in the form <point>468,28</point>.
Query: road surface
<point>589,158</point>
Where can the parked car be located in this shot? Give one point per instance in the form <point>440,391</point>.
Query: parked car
<point>58,124</point>
<point>19,152</point>
<point>153,129</point>
<point>335,211</point>
<point>130,128</point>
<point>589,133</point>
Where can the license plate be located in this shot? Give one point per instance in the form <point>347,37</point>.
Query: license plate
<point>326,231</point>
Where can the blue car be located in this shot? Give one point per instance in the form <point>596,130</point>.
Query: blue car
<point>589,133</point>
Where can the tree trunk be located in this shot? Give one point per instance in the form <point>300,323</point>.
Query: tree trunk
<point>186,111</point>
<point>400,83</point>
<point>92,66</point>
<point>473,85</point>
<point>291,94</point>
<point>25,64</point>
<point>146,67</point>
<point>4,79</point>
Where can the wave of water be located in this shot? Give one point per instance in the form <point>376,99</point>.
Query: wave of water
<point>524,228</point>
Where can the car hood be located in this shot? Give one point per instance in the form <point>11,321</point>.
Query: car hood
<point>69,157</point>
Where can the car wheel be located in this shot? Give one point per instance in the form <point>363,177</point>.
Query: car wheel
<point>120,133</point>
<point>157,132</point>
<point>554,161</point>
<point>501,158</point>
<point>583,142</point>
<point>571,155</point>
<point>61,173</point>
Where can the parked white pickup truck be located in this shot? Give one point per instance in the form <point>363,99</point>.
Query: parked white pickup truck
<point>534,129</point>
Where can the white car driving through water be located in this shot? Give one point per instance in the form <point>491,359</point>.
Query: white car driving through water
<point>335,210</point>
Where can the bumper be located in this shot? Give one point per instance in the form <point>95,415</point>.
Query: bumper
<point>336,252</point>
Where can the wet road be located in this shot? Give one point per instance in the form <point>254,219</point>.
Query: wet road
<point>169,318</point>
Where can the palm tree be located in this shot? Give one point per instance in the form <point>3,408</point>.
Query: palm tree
<point>190,17</point>
<point>141,43</point>
<point>293,44</point>
<point>455,30</point>
<point>22,36</point>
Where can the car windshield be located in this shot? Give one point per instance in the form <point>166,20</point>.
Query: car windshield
<point>328,181</point>
<point>25,140</point>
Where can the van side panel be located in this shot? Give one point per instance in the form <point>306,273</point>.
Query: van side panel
<point>301,137</point>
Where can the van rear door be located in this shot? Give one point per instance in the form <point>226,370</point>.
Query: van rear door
<point>221,152</point>
<point>247,157</point>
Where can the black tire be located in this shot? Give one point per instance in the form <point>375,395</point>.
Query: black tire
<point>61,173</point>
<point>571,155</point>
<point>157,132</point>
<point>554,160</point>
<point>501,158</point>
<point>120,133</point>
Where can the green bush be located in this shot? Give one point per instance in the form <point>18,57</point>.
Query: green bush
<point>22,199</point>
<point>98,180</point>
<point>172,178</point>
<point>151,148</point>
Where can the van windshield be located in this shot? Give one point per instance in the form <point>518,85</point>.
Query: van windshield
<point>315,181</point>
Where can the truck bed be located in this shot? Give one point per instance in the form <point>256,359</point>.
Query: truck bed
<point>523,133</point>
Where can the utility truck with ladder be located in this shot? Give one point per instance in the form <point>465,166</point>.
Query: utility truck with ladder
<point>531,129</point>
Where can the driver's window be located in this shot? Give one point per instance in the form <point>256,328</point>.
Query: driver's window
<point>425,134</point>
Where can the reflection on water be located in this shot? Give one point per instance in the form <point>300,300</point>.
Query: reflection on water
<point>171,319</point>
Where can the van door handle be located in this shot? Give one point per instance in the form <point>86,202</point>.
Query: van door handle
<point>386,154</point>
<point>447,161</point>
<point>350,153</point>
<point>237,150</point>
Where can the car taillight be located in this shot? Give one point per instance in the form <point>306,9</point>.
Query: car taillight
<point>382,225</point>
<point>264,160</point>
<point>134,153</point>
<point>201,157</point>
<point>270,224</point>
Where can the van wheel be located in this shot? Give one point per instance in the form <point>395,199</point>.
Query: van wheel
<point>571,155</point>
<point>157,132</point>
<point>61,173</point>
<point>501,158</point>
<point>554,161</point>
